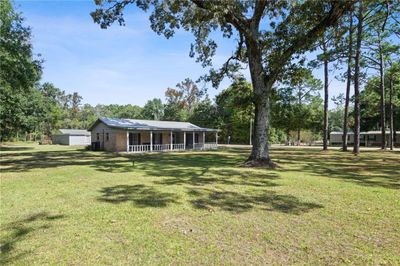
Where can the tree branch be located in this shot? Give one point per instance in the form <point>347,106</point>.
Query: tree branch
<point>258,11</point>
<point>336,11</point>
<point>372,59</point>
<point>238,21</point>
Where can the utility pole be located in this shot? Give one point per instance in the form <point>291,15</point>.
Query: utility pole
<point>391,137</point>
<point>251,132</point>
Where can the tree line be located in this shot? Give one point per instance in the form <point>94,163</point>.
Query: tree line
<point>353,41</point>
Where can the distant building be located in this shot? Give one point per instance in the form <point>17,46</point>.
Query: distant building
<point>134,135</point>
<point>71,137</point>
<point>368,138</point>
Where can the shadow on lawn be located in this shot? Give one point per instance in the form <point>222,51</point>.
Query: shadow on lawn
<point>19,230</point>
<point>206,198</point>
<point>23,162</point>
<point>139,195</point>
<point>200,174</point>
<point>232,201</point>
<point>369,169</point>
<point>102,161</point>
<point>15,148</point>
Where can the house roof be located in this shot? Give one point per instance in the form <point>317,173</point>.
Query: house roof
<point>361,133</point>
<point>76,132</point>
<point>138,124</point>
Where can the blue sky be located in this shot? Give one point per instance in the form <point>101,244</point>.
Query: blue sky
<point>119,65</point>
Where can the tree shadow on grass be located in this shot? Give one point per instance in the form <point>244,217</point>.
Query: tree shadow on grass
<point>15,148</point>
<point>207,176</point>
<point>26,161</point>
<point>105,161</point>
<point>204,168</point>
<point>19,230</point>
<point>233,201</point>
<point>370,169</point>
<point>208,199</point>
<point>199,174</point>
<point>140,195</point>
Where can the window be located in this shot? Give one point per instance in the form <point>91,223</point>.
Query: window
<point>97,136</point>
<point>107,137</point>
<point>157,138</point>
<point>196,138</point>
<point>134,138</point>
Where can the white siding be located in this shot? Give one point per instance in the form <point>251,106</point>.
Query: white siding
<point>71,140</point>
<point>79,140</point>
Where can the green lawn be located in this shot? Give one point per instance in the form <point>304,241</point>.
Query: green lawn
<point>61,205</point>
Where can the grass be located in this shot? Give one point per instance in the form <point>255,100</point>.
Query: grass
<point>67,206</point>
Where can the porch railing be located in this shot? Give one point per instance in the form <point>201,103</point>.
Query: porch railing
<point>139,148</point>
<point>175,147</point>
<point>161,147</point>
<point>210,146</point>
<point>178,147</point>
<point>205,146</point>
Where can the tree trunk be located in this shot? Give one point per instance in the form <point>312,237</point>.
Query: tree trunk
<point>382,92</point>
<point>395,120</point>
<point>391,137</point>
<point>356,148</point>
<point>298,136</point>
<point>348,85</point>
<point>299,117</point>
<point>260,151</point>
<point>288,137</point>
<point>326,97</point>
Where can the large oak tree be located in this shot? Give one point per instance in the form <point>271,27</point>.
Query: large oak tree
<point>269,34</point>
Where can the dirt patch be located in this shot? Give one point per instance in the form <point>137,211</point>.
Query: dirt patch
<point>179,224</point>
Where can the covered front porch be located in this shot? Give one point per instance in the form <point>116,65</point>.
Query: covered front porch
<point>157,141</point>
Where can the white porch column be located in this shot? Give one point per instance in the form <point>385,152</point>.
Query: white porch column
<point>216,138</point>
<point>193,139</point>
<point>184,140</point>
<point>127,141</point>
<point>151,140</point>
<point>171,141</point>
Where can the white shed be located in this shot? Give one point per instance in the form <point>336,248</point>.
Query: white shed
<point>72,137</point>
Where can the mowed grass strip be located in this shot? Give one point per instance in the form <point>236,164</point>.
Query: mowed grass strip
<point>63,205</point>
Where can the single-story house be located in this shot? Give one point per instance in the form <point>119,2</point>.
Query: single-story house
<point>71,137</point>
<point>134,135</point>
<point>368,138</point>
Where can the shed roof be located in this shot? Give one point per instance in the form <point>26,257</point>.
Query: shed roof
<point>76,132</point>
<point>138,124</point>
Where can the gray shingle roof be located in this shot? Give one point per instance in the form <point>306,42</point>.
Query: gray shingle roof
<point>138,124</point>
<point>79,132</point>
